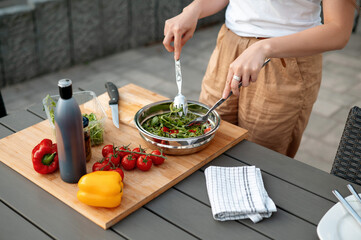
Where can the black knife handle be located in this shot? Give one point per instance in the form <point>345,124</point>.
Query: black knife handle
<point>112,92</point>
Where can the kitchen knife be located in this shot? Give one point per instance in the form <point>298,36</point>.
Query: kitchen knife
<point>113,102</point>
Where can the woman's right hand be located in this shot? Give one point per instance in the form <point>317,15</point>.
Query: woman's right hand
<point>179,30</point>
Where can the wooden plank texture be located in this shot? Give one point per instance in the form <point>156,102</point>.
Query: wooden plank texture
<point>138,190</point>
<point>143,224</point>
<point>273,227</point>
<point>295,200</point>
<point>45,211</point>
<point>19,120</point>
<point>4,131</point>
<point>37,109</point>
<point>11,222</point>
<point>98,85</point>
<point>196,218</point>
<point>300,174</point>
<point>131,99</point>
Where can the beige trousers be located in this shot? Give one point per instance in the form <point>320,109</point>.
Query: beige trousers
<point>275,109</point>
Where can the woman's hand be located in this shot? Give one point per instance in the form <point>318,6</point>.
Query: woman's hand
<point>179,30</point>
<point>245,68</point>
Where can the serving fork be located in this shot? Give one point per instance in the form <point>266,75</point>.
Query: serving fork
<point>202,119</point>
<point>180,100</point>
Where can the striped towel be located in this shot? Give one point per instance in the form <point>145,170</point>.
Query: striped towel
<point>238,193</point>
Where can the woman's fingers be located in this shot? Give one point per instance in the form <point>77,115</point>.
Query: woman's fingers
<point>253,77</point>
<point>234,84</point>
<point>227,87</point>
<point>177,44</point>
<point>235,76</point>
<point>188,35</point>
<point>245,68</point>
<point>165,30</point>
<point>245,79</point>
<point>175,36</point>
<point>179,30</point>
<point>167,42</point>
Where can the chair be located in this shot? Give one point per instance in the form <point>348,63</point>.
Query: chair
<point>2,106</point>
<point>347,163</point>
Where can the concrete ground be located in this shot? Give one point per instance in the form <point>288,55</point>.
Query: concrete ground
<point>153,68</point>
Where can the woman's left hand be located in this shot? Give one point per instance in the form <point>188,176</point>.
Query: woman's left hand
<point>245,68</point>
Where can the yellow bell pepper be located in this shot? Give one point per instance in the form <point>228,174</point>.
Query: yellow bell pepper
<point>101,189</point>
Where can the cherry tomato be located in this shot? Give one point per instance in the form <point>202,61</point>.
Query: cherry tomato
<point>207,130</point>
<point>164,142</point>
<point>128,162</point>
<point>174,131</point>
<point>101,165</point>
<point>107,149</point>
<point>157,160</point>
<point>118,170</point>
<point>138,149</point>
<point>122,154</point>
<point>114,158</point>
<point>143,163</point>
<point>192,130</point>
<point>165,129</point>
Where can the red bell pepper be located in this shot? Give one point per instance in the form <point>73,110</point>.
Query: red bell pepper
<point>45,157</point>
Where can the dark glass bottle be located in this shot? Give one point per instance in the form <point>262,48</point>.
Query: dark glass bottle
<point>69,134</point>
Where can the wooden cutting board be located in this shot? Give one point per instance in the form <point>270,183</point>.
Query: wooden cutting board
<point>139,187</point>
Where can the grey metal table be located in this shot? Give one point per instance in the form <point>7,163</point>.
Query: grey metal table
<point>302,195</point>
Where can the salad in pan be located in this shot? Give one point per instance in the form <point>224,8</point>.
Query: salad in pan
<point>171,125</point>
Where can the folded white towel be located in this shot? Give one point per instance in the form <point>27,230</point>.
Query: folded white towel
<point>238,193</point>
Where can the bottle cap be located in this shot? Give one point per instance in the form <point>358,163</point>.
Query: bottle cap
<point>85,122</point>
<point>65,88</point>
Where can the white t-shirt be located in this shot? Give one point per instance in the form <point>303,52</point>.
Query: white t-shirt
<point>272,18</point>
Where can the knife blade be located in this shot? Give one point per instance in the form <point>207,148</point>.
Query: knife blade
<point>113,102</point>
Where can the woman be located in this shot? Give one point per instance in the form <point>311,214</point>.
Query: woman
<point>275,109</point>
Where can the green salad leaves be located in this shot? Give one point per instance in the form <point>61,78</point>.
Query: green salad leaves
<point>96,127</point>
<point>171,125</point>
<point>51,104</point>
